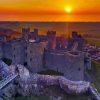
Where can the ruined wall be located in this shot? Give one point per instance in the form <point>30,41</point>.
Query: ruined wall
<point>14,50</point>
<point>35,53</point>
<point>7,50</point>
<point>71,65</point>
<point>1,50</point>
<point>18,52</point>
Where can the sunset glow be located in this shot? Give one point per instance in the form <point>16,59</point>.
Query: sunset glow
<point>37,10</point>
<point>68,9</point>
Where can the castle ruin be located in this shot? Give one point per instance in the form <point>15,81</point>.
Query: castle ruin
<point>38,55</point>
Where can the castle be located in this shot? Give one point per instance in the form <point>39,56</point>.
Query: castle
<point>39,53</point>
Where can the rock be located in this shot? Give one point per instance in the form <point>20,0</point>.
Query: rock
<point>38,82</point>
<point>23,72</point>
<point>47,80</point>
<point>75,87</point>
<point>1,98</point>
<point>28,84</point>
<point>12,69</point>
<point>29,89</point>
<point>9,91</point>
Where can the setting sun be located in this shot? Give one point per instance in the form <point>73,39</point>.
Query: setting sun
<point>50,10</point>
<point>68,9</point>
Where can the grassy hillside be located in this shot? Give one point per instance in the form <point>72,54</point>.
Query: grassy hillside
<point>95,74</point>
<point>93,41</point>
<point>0,78</point>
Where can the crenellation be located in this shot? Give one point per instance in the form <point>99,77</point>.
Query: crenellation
<point>45,53</point>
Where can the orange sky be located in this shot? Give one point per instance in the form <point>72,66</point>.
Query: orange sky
<point>49,10</point>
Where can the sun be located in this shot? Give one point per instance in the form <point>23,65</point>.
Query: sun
<point>68,9</point>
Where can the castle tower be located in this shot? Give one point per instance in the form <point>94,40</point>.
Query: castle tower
<point>35,53</point>
<point>36,34</point>
<point>25,33</point>
<point>36,31</point>
<point>76,39</point>
<point>51,37</point>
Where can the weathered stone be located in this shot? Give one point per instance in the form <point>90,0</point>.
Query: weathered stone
<point>35,53</point>
<point>30,84</point>
<point>1,98</point>
<point>71,65</point>
<point>48,80</point>
<point>75,87</point>
<point>23,72</point>
<point>9,91</point>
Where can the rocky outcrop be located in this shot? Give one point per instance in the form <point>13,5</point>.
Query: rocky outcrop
<point>73,87</point>
<point>36,83</point>
<point>32,82</point>
<point>8,92</point>
<point>27,84</point>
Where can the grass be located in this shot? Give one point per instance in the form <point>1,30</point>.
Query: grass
<point>32,98</point>
<point>50,72</point>
<point>93,41</point>
<point>95,74</point>
<point>68,97</point>
<point>7,61</point>
<point>0,78</point>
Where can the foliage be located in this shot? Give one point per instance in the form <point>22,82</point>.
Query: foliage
<point>93,41</point>
<point>95,74</point>
<point>32,98</point>
<point>0,77</point>
<point>7,61</point>
<point>50,72</point>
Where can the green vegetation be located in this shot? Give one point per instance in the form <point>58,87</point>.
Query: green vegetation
<point>95,74</point>
<point>70,97</point>
<point>32,98</point>
<point>50,72</point>
<point>93,41</point>
<point>7,61</point>
<point>0,78</point>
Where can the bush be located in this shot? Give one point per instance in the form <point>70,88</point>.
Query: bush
<point>7,61</point>
<point>0,78</point>
<point>95,74</point>
<point>50,72</point>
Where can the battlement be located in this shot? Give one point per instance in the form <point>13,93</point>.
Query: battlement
<point>51,54</point>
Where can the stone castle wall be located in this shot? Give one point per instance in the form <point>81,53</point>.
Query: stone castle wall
<point>1,51</point>
<point>13,50</point>
<point>7,50</point>
<point>35,53</point>
<point>71,65</point>
<point>18,52</point>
